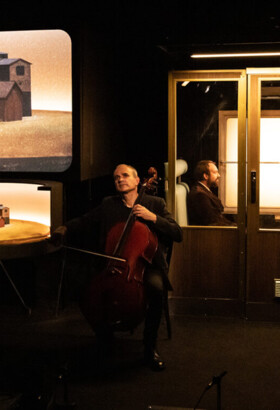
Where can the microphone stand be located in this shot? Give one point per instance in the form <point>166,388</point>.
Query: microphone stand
<point>216,380</point>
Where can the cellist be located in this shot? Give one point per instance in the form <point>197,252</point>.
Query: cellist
<point>153,212</point>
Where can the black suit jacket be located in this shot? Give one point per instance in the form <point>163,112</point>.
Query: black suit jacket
<point>93,227</point>
<point>205,208</point>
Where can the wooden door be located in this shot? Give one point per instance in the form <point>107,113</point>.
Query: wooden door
<point>263,227</point>
<point>208,268</point>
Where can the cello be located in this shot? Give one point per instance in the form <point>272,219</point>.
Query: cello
<point>151,181</point>
<point>115,296</point>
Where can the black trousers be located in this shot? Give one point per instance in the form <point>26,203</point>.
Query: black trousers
<point>154,287</point>
<point>154,284</point>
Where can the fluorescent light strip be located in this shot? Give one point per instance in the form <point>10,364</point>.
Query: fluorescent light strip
<point>266,54</point>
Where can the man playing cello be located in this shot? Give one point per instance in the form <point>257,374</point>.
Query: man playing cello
<point>152,212</point>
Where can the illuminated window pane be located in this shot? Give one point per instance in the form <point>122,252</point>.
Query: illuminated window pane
<point>269,167</point>
<point>231,186</point>
<point>231,140</point>
<point>270,186</point>
<point>270,140</point>
<point>228,141</point>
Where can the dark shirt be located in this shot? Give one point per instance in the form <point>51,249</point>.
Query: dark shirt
<point>205,208</point>
<point>98,222</point>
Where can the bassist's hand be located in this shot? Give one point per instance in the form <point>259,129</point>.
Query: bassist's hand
<point>58,236</point>
<point>142,212</point>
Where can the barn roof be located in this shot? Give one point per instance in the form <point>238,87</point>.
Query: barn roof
<point>9,61</point>
<point>6,87</point>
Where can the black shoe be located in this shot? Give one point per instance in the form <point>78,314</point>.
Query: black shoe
<point>153,359</point>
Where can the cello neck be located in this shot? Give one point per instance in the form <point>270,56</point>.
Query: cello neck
<point>128,224</point>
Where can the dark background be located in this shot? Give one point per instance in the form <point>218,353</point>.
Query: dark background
<point>130,47</point>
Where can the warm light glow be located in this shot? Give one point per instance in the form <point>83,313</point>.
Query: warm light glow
<point>49,52</point>
<point>185,83</point>
<point>26,202</point>
<point>226,55</point>
<point>269,172</point>
<point>269,163</point>
<point>231,141</point>
<point>270,186</point>
<point>45,131</point>
<point>231,175</point>
<point>230,170</point>
<point>270,140</point>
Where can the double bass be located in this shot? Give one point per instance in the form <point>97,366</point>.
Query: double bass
<point>115,297</point>
<point>151,181</point>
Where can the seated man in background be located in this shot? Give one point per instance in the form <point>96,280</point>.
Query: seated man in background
<point>204,207</point>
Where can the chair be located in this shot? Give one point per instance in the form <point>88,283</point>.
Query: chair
<point>168,287</point>
<point>182,190</point>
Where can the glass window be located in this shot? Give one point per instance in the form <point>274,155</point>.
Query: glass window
<point>207,110</point>
<point>270,155</point>
<point>20,70</point>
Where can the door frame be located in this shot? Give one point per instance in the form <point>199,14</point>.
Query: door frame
<point>185,297</point>
<point>263,245</point>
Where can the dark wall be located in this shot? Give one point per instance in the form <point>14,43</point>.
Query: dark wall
<point>124,80</point>
<point>121,56</point>
<point>136,45</point>
<point>122,75</point>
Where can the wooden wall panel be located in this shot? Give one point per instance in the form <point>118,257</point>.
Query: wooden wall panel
<point>205,264</point>
<point>263,266</point>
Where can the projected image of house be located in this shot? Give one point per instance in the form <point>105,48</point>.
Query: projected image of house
<point>15,88</point>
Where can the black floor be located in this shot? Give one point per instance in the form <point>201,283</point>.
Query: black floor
<point>41,351</point>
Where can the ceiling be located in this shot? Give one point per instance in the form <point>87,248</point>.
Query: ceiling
<point>162,22</point>
<point>176,28</point>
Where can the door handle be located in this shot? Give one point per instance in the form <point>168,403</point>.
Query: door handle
<point>253,186</point>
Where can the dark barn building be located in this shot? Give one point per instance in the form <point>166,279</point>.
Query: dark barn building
<point>19,71</point>
<point>10,101</point>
